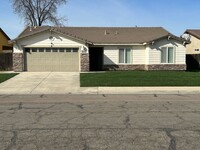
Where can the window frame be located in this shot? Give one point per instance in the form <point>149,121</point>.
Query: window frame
<point>167,55</point>
<point>125,49</point>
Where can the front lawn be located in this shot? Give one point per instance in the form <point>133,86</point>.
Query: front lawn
<point>140,78</point>
<point>6,76</point>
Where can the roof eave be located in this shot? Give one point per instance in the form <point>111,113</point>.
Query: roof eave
<point>21,37</point>
<point>188,32</point>
<point>96,44</point>
<point>169,36</point>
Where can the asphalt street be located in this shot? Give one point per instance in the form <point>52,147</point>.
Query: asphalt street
<point>100,122</point>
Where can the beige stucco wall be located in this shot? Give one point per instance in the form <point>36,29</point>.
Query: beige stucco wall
<point>3,41</point>
<point>195,44</point>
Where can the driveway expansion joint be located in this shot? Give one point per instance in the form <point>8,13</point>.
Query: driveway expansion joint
<point>40,82</point>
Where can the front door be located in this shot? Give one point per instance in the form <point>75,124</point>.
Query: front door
<point>96,58</point>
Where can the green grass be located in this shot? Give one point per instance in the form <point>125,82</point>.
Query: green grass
<point>6,76</point>
<point>140,78</point>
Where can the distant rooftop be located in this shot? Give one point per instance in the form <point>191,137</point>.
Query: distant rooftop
<point>4,34</point>
<point>194,32</point>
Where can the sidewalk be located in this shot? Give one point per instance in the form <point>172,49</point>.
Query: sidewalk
<point>148,90</point>
<point>107,90</point>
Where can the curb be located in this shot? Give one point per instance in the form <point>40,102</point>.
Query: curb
<point>148,90</point>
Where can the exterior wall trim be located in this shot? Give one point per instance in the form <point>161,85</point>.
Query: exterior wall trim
<point>175,67</point>
<point>181,67</point>
<point>123,67</point>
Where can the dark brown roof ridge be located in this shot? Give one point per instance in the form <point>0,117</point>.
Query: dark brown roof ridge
<point>99,27</point>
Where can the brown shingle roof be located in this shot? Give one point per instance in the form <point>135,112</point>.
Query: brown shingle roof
<point>194,32</point>
<point>105,35</point>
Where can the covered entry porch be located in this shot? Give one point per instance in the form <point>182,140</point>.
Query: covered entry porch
<point>96,55</point>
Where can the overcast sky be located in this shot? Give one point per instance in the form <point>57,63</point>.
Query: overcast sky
<point>174,15</point>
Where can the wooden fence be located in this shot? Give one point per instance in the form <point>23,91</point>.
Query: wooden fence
<point>6,62</point>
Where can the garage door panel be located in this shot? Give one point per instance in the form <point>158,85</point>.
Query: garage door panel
<point>53,61</point>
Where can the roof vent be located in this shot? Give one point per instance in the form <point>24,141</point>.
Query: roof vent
<point>106,32</point>
<point>186,36</point>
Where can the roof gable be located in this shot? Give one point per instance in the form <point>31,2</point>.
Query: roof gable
<point>193,32</point>
<point>5,35</point>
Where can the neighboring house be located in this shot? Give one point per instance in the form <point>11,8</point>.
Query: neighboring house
<point>5,47</point>
<point>193,48</point>
<point>5,52</point>
<point>98,48</point>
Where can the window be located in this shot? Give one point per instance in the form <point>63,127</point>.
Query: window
<point>48,50</point>
<point>34,49</point>
<point>62,50</point>
<point>73,50</point>
<point>125,55</point>
<point>55,50</point>
<point>27,50</point>
<point>41,50</point>
<point>167,55</point>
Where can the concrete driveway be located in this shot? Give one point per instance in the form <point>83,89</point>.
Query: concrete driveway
<point>42,83</point>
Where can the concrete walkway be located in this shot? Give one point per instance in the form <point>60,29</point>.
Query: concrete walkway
<point>69,83</point>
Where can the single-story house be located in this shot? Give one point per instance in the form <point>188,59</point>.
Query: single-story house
<point>192,48</point>
<point>5,52</point>
<point>82,49</point>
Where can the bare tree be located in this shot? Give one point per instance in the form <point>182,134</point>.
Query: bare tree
<point>39,12</point>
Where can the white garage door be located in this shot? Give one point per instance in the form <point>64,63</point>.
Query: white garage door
<point>52,59</point>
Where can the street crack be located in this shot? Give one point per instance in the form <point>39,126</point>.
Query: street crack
<point>20,106</point>
<point>127,121</point>
<point>165,107</point>
<point>79,106</point>
<point>12,141</point>
<point>86,147</point>
<point>179,117</point>
<point>172,145</point>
